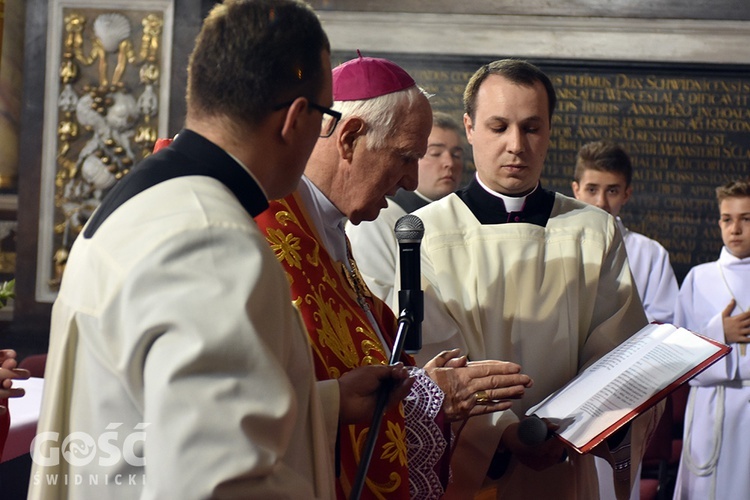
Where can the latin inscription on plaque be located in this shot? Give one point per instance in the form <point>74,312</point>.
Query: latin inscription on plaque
<point>686,129</point>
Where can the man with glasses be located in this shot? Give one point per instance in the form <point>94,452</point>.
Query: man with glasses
<point>177,364</point>
<point>374,150</point>
<point>330,117</point>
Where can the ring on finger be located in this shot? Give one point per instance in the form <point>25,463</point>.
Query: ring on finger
<point>481,398</point>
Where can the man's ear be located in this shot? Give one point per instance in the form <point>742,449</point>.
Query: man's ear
<point>292,119</point>
<point>628,193</point>
<point>469,128</point>
<point>575,186</point>
<point>348,132</point>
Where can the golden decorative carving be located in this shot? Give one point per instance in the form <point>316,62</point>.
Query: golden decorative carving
<point>107,109</point>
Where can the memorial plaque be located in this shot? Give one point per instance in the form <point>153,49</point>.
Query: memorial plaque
<point>685,127</point>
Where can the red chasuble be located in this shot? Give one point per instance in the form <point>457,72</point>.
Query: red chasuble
<point>342,339</point>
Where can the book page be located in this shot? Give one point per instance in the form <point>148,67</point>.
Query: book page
<point>623,380</point>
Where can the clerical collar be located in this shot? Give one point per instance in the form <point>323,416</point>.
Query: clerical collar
<point>425,198</point>
<point>190,154</point>
<point>331,218</point>
<point>244,167</point>
<point>512,203</point>
<point>490,208</point>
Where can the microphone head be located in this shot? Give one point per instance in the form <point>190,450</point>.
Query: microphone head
<point>409,229</point>
<point>532,431</point>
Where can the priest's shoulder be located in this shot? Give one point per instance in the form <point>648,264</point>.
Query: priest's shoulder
<point>565,204</point>
<point>443,211</point>
<point>569,212</point>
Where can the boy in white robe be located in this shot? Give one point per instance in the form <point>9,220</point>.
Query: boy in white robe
<point>603,178</point>
<point>714,300</point>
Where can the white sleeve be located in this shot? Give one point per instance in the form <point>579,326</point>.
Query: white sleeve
<point>660,295</point>
<point>693,313</point>
<point>225,367</point>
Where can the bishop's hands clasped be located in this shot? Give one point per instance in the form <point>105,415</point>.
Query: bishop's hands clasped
<point>475,387</point>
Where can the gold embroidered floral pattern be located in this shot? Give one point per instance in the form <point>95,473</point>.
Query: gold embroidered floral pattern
<point>285,217</point>
<point>333,331</point>
<point>395,448</point>
<point>371,346</point>
<point>285,246</point>
<point>394,479</point>
<point>337,311</point>
<point>328,280</point>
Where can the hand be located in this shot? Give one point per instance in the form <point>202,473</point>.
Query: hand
<point>360,387</point>
<point>460,380</point>
<point>6,354</point>
<point>9,372</point>
<point>538,457</point>
<point>736,328</point>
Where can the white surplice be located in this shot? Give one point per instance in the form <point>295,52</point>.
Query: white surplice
<point>657,287</point>
<point>178,367</point>
<point>714,461</point>
<point>553,299</point>
<point>653,274</point>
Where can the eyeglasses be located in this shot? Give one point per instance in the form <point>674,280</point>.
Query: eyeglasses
<point>330,116</point>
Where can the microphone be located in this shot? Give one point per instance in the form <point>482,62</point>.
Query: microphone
<point>532,431</point>
<point>409,231</point>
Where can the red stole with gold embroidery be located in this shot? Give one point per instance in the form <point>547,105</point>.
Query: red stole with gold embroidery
<point>342,339</point>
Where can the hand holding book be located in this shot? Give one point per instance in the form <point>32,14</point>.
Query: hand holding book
<point>628,380</point>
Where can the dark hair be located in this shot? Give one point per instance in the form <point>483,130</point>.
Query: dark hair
<point>517,71</point>
<point>734,189</point>
<point>446,122</point>
<point>604,156</point>
<point>251,55</point>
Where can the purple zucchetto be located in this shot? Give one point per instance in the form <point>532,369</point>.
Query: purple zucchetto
<point>368,77</point>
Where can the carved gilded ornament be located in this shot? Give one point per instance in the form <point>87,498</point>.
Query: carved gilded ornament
<point>107,110</point>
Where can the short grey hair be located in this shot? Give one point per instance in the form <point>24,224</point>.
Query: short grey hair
<point>381,113</point>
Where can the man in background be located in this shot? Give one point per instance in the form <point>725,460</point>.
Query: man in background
<point>173,339</point>
<point>373,242</point>
<point>373,151</point>
<point>513,271</point>
<point>603,178</point>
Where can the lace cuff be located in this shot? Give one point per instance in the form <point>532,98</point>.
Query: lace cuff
<point>426,437</point>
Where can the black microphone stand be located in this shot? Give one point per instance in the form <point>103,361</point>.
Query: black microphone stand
<point>405,321</point>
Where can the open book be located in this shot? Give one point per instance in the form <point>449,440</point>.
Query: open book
<point>631,378</point>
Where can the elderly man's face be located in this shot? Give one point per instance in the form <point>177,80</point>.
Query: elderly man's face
<point>380,172</point>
